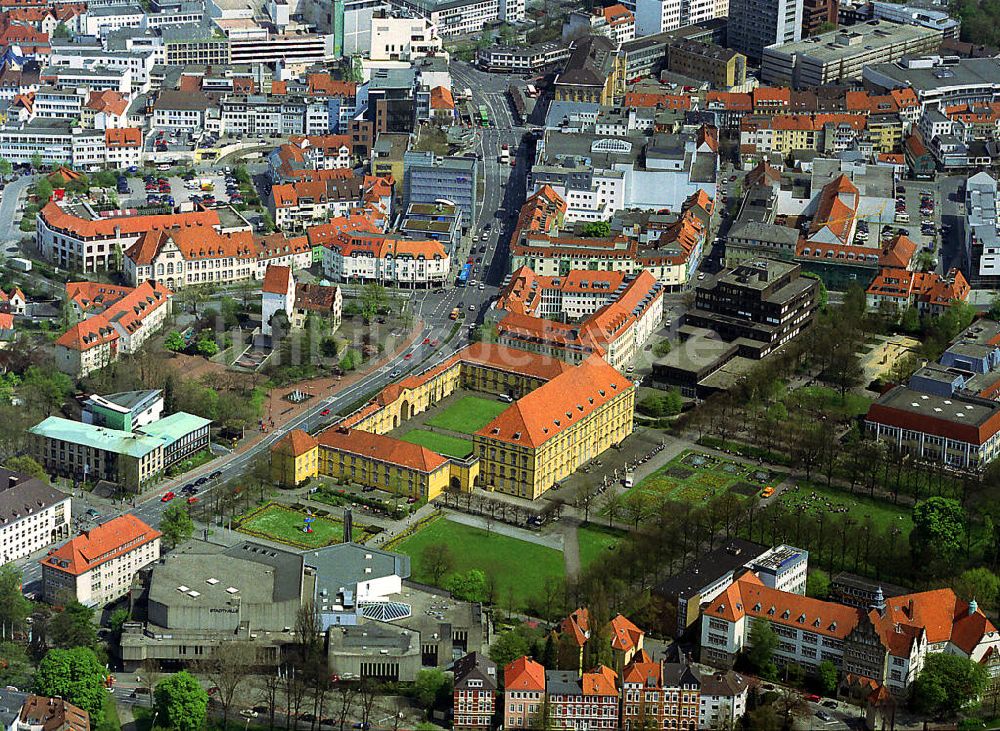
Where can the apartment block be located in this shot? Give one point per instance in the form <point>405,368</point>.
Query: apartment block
<point>33,515</point>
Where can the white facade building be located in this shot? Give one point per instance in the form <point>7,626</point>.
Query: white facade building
<point>33,515</point>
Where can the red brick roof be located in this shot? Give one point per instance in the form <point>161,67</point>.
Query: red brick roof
<point>276,279</point>
<point>382,448</point>
<point>295,443</point>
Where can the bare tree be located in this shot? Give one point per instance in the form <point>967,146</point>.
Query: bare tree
<point>228,669</point>
<point>346,695</point>
<point>368,694</point>
<point>269,696</point>
<point>586,497</point>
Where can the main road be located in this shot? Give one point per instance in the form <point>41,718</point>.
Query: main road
<point>504,190</point>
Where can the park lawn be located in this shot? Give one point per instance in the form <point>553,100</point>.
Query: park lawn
<point>468,415</point>
<point>444,444</point>
<point>883,514</point>
<point>518,565</point>
<point>283,524</point>
<point>823,398</point>
<point>596,541</point>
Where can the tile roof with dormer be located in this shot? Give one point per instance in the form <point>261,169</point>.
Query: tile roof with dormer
<point>100,544</point>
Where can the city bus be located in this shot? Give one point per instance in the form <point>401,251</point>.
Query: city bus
<point>484,116</point>
<point>463,276</point>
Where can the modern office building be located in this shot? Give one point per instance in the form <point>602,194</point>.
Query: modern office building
<point>125,411</point>
<point>98,565</point>
<point>938,81</point>
<point>816,14</point>
<point>759,305</point>
<point>927,17</point>
<point>982,235</point>
<point>841,55</point>
<point>756,24</point>
<point>33,515</point>
<point>449,180</point>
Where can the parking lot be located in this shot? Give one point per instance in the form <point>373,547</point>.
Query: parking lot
<point>922,208</point>
<point>156,188</point>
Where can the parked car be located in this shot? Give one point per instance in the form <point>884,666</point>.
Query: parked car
<point>167,497</point>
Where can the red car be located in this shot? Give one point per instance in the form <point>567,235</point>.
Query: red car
<point>324,412</point>
<point>812,697</point>
<point>407,356</point>
<point>427,341</point>
<point>168,497</point>
<point>192,500</point>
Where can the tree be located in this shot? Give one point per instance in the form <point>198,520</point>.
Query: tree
<point>16,668</point>
<point>818,583</point>
<point>763,643</point>
<point>180,702</point>
<point>26,465</point>
<point>75,675</point>
<point>509,646</point>
<point>174,342</point>
<point>947,684</point>
<point>662,348</point>
<point>74,627</point>
<point>14,608</point>
<point>437,561</point>
<point>938,530</point>
<point>43,190</point>
<point>430,687</point>
<point>980,584</point>
<point>228,668</point>
<point>36,161</point>
<point>469,586</point>
<point>373,299</point>
<point>827,674</point>
<point>596,229</point>
<point>6,167</point>
<point>207,346</point>
<point>176,524</point>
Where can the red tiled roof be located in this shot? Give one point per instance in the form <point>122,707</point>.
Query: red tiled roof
<point>56,217</point>
<point>382,448</point>
<point>276,279</point>
<point>100,544</point>
<point>625,636</point>
<point>524,674</point>
<point>603,681</point>
<point>295,443</point>
<point>123,137</point>
<point>555,406</point>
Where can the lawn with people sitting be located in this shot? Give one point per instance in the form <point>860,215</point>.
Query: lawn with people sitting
<point>467,415</point>
<point>697,476</point>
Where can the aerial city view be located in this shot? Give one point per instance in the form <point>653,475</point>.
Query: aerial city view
<point>499,365</point>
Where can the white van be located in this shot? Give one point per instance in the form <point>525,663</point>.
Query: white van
<point>628,480</point>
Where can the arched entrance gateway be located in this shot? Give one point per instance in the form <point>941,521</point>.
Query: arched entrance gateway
<point>455,484</point>
<point>404,410</point>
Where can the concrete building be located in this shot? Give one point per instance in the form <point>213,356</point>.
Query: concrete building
<point>98,566</point>
<point>455,17</point>
<point>430,179</point>
<point>939,81</point>
<point>522,59</point>
<point>33,515</point>
<point>982,227</point>
<point>759,305</point>
<point>436,221</point>
<point>402,38</point>
<point>926,17</point>
<point>756,24</point>
<point>841,55</point>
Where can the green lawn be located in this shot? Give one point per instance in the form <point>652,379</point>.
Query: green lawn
<point>281,523</point>
<point>694,476</point>
<point>812,498</point>
<point>468,415</point>
<point>596,542</point>
<point>517,564</point>
<point>444,444</point>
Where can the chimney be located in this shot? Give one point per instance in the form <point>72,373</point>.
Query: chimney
<point>973,607</point>
<point>12,481</point>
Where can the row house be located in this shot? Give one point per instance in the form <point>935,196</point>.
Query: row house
<point>273,115</point>
<point>929,292</point>
<point>475,693</point>
<point>589,701</point>
<point>303,203</point>
<point>366,257</point>
<point>660,695</point>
